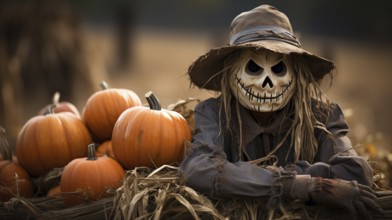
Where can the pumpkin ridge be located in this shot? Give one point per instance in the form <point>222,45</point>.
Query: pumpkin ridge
<point>93,125</point>
<point>102,118</point>
<point>68,175</point>
<point>177,153</point>
<point>112,109</point>
<point>55,145</point>
<point>107,173</point>
<point>67,140</point>
<point>138,145</point>
<point>75,168</point>
<point>123,156</point>
<point>62,125</point>
<point>132,98</point>
<point>39,150</point>
<point>101,181</point>
<point>118,168</point>
<point>75,150</point>
<point>156,137</point>
<point>165,145</point>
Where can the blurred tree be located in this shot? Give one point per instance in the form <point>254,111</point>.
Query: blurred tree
<point>40,53</point>
<point>125,19</point>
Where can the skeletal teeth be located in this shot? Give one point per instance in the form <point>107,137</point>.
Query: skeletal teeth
<point>252,96</point>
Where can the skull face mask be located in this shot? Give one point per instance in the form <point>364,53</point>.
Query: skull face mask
<point>262,80</point>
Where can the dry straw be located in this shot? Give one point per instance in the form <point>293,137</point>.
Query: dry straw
<point>161,194</point>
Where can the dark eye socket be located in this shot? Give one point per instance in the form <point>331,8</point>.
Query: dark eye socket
<point>252,68</point>
<point>279,68</point>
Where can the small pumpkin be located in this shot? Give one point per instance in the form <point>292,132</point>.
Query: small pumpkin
<point>54,192</point>
<point>14,180</point>
<point>51,141</point>
<point>103,108</point>
<point>105,149</point>
<point>90,178</point>
<point>150,137</point>
<point>60,106</point>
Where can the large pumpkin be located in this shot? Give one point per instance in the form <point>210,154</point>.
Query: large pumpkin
<point>103,108</point>
<point>150,137</point>
<point>51,141</point>
<point>90,178</point>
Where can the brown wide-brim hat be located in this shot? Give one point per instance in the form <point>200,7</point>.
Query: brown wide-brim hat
<point>262,27</point>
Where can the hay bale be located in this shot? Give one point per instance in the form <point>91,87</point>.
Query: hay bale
<point>161,194</point>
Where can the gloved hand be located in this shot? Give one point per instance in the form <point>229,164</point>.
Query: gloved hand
<point>356,198</point>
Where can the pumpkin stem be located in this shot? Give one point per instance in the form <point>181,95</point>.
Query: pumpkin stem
<point>5,150</point>
<point>104,85</point>
<point>153,101</point>
<point>50,110</point>
<point>56,98</point>
<point>91,152</point>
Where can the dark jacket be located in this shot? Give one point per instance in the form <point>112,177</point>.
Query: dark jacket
<point>213,166</point>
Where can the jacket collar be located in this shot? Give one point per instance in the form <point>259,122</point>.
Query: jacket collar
<point>251,128</point>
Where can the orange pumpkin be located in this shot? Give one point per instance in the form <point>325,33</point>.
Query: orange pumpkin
<point>14,180</point>
<point>105,149</point>
<point>149,137</point>
<point>89,178</point>
<point>59,106</point>
<point>103,108</point>
<point>54,192</point>
<point>51,141</point>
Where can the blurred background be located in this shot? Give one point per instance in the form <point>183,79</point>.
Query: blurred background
<point>70,46</point>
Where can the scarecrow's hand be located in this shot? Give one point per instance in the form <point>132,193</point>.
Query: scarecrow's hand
<point>356,198</point>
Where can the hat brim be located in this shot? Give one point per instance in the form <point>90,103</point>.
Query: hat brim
<point>206,73</point>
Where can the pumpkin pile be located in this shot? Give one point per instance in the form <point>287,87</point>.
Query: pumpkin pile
<point>89,153</point>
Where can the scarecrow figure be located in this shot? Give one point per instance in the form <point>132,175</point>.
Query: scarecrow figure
<point>272,132</point>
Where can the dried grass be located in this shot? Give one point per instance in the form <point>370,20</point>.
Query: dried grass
<point>161,194</point>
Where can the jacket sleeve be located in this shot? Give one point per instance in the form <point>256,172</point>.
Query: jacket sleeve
<point>336,156</point>
<point>207,170</point>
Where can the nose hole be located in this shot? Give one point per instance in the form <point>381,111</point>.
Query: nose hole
<point>267,81</point>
